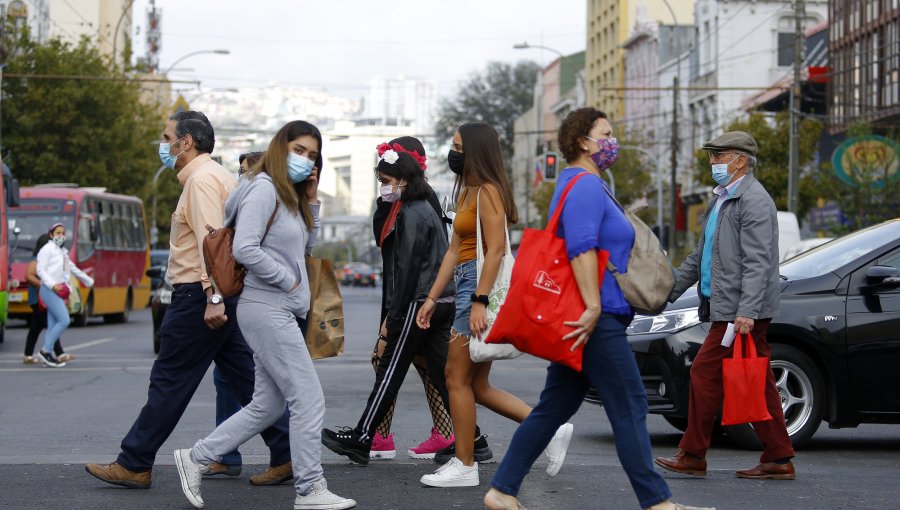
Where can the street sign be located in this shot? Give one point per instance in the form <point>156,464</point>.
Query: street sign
<point>180,105</point>
<point>820,218</point>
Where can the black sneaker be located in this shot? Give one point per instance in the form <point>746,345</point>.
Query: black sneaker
<point>50,360</point>
<point>483,452</point>
<point>346,442</point>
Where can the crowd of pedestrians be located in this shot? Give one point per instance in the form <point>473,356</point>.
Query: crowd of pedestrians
<point>434,304</point>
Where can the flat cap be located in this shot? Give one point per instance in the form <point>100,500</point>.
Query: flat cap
<point>733,140</point>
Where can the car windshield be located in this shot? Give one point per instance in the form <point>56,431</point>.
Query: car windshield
<point>831,256</point>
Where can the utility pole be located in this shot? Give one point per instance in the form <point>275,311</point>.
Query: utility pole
<point>670,239</point>
<point>796,99</point>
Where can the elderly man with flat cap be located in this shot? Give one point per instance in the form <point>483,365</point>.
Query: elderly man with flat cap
<point>736,264</point>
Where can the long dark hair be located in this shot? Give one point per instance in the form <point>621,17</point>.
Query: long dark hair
<point>484,164</point>
<point>274,163</point>
<point>41,241</point>
<point>406,168</point>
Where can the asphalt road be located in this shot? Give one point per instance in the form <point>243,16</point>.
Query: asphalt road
<point>52,421</point>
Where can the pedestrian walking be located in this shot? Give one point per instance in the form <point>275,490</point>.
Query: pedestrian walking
<point>383,224</point>
<point>54,269</point>
<point>199,326</point>
<point>475,157</point>
<point>418,245</point>
<point>590,221</point>
<point>38,320</point>
<point>736,263</point>
<point>274,211</point>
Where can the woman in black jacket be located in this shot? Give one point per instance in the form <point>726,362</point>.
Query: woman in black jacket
<point>418,247</point>
<point>383,223</point>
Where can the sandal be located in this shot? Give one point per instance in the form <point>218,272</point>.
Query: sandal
<point>30,360</point>
<point>66,357</point>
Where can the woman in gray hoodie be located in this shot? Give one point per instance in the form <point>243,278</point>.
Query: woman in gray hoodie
<point>275,212</point>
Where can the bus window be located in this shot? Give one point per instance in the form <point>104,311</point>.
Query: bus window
<point>85,246</point>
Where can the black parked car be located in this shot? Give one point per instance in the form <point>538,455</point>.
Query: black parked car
<point>835,342</point>
<point>159,299</point>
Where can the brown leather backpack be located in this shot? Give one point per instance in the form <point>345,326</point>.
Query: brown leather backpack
<point>226,273</point>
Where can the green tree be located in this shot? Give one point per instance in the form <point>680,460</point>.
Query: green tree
<point>772,169</point>
<point>93,131</point>
<point>496,96</point>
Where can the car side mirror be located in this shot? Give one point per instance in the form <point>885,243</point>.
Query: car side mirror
<point>154,272</point>
<point>883,275</point>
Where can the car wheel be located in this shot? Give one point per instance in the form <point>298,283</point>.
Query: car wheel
<point>802,391</point>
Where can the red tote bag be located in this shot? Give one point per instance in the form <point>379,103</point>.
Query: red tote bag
<point>744,379</point>
<point>543,294</point>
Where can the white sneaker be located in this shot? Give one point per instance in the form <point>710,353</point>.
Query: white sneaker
<point>189,472</point>
<point>453,474</point>
<point>556,450</point>
<point>320,498</point>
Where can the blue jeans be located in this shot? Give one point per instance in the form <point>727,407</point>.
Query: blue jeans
<point>57,317</point>
<point>226,404</point>
<point>610,367</point>
<point>466,275</point>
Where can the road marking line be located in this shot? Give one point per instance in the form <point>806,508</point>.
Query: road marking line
<point>89,344</point>
<point>83,369</point>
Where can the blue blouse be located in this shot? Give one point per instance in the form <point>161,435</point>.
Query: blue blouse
<point>591,220</point>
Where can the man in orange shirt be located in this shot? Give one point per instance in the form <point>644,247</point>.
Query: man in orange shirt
<point>188,345</point>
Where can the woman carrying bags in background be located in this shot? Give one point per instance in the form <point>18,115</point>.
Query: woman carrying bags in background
<point>54,270</point>
<point>590,221</point>
<point>476,158</point>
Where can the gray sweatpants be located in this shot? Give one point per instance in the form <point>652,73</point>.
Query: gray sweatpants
<point>284,373</point>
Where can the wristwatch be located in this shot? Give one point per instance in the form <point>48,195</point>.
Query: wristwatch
<point>215,299</point>
<point>480,298</point>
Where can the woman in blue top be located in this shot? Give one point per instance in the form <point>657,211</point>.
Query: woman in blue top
<point>590,221</point>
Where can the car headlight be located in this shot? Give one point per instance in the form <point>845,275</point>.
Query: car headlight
<point>165,296</point>
<point>667,322</point>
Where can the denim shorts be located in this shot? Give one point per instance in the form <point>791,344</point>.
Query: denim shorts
<point>466,282</point>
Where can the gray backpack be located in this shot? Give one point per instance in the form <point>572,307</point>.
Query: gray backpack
<point>649,279</point>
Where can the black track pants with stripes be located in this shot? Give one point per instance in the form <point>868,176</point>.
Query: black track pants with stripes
<point>402,346</point>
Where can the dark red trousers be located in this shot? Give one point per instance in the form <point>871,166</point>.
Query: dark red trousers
<point>707,394</point>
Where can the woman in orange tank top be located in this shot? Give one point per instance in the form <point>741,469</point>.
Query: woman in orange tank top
<point>477,161</point>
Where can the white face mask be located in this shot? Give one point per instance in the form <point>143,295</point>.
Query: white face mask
<point>59,240</point>
<point>390,193</point>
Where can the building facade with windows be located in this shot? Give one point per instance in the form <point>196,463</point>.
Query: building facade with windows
<point>864,48</point>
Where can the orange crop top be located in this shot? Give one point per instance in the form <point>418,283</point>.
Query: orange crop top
<point>464,229</point>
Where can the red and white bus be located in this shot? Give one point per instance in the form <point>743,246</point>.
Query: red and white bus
<point>107,238</point>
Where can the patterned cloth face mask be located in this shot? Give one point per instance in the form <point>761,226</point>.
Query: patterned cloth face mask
<point>608,153</point>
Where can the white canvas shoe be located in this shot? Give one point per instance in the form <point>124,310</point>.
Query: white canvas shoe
<point>556,450</point>
<point>453,474</point>
<point>189,472</point>
<point>320,498</point>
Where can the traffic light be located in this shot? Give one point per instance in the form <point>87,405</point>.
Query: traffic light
<point>551,164</point>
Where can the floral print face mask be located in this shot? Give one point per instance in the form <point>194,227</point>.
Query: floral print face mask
<point>608,153</point>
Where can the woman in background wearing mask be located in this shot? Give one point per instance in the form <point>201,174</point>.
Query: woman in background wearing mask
<point>276,292</point>
<point>383,224</point>
<point>590,221</point>
<point>418,246</point>
<point>38,320</point>
<point>54,269</point>
<point>476,158</point>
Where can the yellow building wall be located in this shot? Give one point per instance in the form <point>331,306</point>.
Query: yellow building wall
<point>609,22</point>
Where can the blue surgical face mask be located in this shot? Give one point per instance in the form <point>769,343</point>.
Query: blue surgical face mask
<point>299,168</point>
<point>720,172</point>
<point>166,156</point>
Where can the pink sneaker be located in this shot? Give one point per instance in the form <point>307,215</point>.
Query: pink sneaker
<point>382,447</point>
<point>430,446</point>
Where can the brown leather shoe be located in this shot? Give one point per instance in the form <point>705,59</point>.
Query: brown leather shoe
<point>683,463</point>
<point>274,475</point>
<point>769,471</point>
<point>217,468</point>
<point>118,475</point>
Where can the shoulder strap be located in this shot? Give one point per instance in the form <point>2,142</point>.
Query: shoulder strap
<point>554,221</point>
<point>269,224</point>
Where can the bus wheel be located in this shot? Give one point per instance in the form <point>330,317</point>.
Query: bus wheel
<point>119,318</point>
<point>81,320</point>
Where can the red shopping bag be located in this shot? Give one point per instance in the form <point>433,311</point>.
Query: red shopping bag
<point>744,379</point>
<point>543,295</point>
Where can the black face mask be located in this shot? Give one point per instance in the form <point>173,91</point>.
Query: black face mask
<point>456,160</point>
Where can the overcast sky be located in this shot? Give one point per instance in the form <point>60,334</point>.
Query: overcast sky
<point>339,44</point>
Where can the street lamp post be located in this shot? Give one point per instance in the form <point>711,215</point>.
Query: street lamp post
<point>115,35</point>
<point>200,52</point>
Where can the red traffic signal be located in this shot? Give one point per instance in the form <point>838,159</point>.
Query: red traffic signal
<point>551,165</point>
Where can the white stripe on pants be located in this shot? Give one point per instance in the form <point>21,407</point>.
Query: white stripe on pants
<point>284,374</point>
